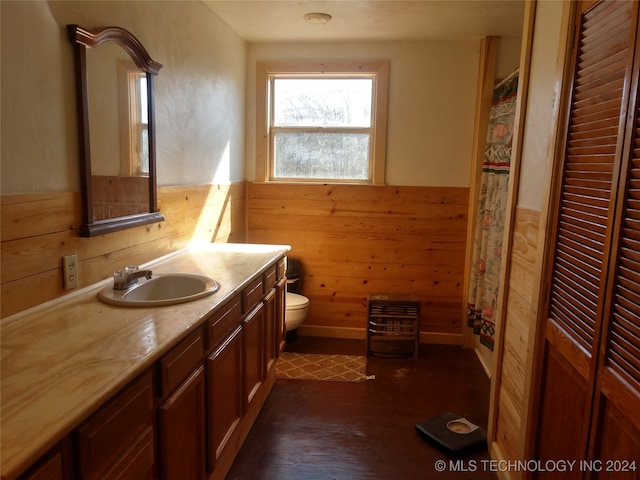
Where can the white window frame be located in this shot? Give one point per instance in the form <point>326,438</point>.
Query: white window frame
<point>378,71</point>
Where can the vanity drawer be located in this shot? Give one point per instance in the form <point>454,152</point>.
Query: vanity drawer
<point>223,322</point>
<point>181,360</point>
<point>282,268</point>
<point>270,278</point>
<point>252,295</point>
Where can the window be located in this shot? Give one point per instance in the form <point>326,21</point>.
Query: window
<point>140,123</point>
<point>134,121</point>
<point>321,122</point>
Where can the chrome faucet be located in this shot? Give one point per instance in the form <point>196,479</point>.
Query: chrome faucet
<point>124,279</point>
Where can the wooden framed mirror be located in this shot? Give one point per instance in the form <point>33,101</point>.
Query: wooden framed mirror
<point>117,149</point>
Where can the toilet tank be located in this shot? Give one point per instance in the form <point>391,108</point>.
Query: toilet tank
<point>294,275</point>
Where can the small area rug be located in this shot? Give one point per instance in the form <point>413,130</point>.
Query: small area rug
<point>317,366</point>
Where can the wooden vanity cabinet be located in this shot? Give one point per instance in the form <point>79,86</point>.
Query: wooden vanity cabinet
<point>181,415</point>
<point>186,416</point>
<point>118,440</point>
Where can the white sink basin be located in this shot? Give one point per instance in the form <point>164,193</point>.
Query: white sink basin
<point>167,289</point>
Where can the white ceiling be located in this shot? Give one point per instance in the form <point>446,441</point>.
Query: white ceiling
<point>371,20</point>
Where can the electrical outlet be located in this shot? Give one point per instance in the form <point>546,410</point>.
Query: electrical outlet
<point>70,271</point>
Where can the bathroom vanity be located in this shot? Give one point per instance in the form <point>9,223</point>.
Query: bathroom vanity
<point>92,390</point>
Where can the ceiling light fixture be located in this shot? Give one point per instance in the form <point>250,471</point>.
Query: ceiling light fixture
<point>318,18</point>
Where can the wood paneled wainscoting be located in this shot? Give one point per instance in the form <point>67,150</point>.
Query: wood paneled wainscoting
<point>39,229</point>
<point>357,239</point>
<point>512,370</point>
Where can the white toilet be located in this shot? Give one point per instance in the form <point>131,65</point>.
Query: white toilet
<point>297,308</point>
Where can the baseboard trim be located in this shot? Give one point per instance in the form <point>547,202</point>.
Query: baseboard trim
<point>441,338</point>
<point>360,334</point>
<point>332,332</point>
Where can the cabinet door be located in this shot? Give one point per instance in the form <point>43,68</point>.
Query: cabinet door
<point>253,352</point>
<point>51,469</point>
<point>281,334</point>
<point>137,462</point>
<point>182,432</point>
<point>224,394</point>
<point>117,441</point>
<point>271,344</point>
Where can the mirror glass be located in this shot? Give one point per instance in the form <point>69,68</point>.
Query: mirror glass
<point>118,133</point>
<point>115,111</point>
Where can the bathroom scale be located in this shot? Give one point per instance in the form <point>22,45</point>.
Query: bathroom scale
<point>451,432</point>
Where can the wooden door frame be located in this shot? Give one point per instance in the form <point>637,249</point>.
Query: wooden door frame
<point>548,218</point>
<point>507,246</point>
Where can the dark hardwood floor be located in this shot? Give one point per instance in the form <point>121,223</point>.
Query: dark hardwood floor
<point>312,430</point>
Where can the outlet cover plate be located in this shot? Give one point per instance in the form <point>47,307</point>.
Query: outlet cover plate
<point>70,271</point>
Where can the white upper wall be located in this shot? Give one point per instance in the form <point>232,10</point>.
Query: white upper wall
<point>199,91</point>
<point>205,89</point>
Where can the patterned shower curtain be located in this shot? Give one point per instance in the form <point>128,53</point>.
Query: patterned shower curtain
<point>486,259</point>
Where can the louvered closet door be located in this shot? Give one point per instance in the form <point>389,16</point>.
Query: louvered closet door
<point>616,434</point>
<point>603,53</point>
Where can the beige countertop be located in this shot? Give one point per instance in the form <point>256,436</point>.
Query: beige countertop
<point>61,360</point>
